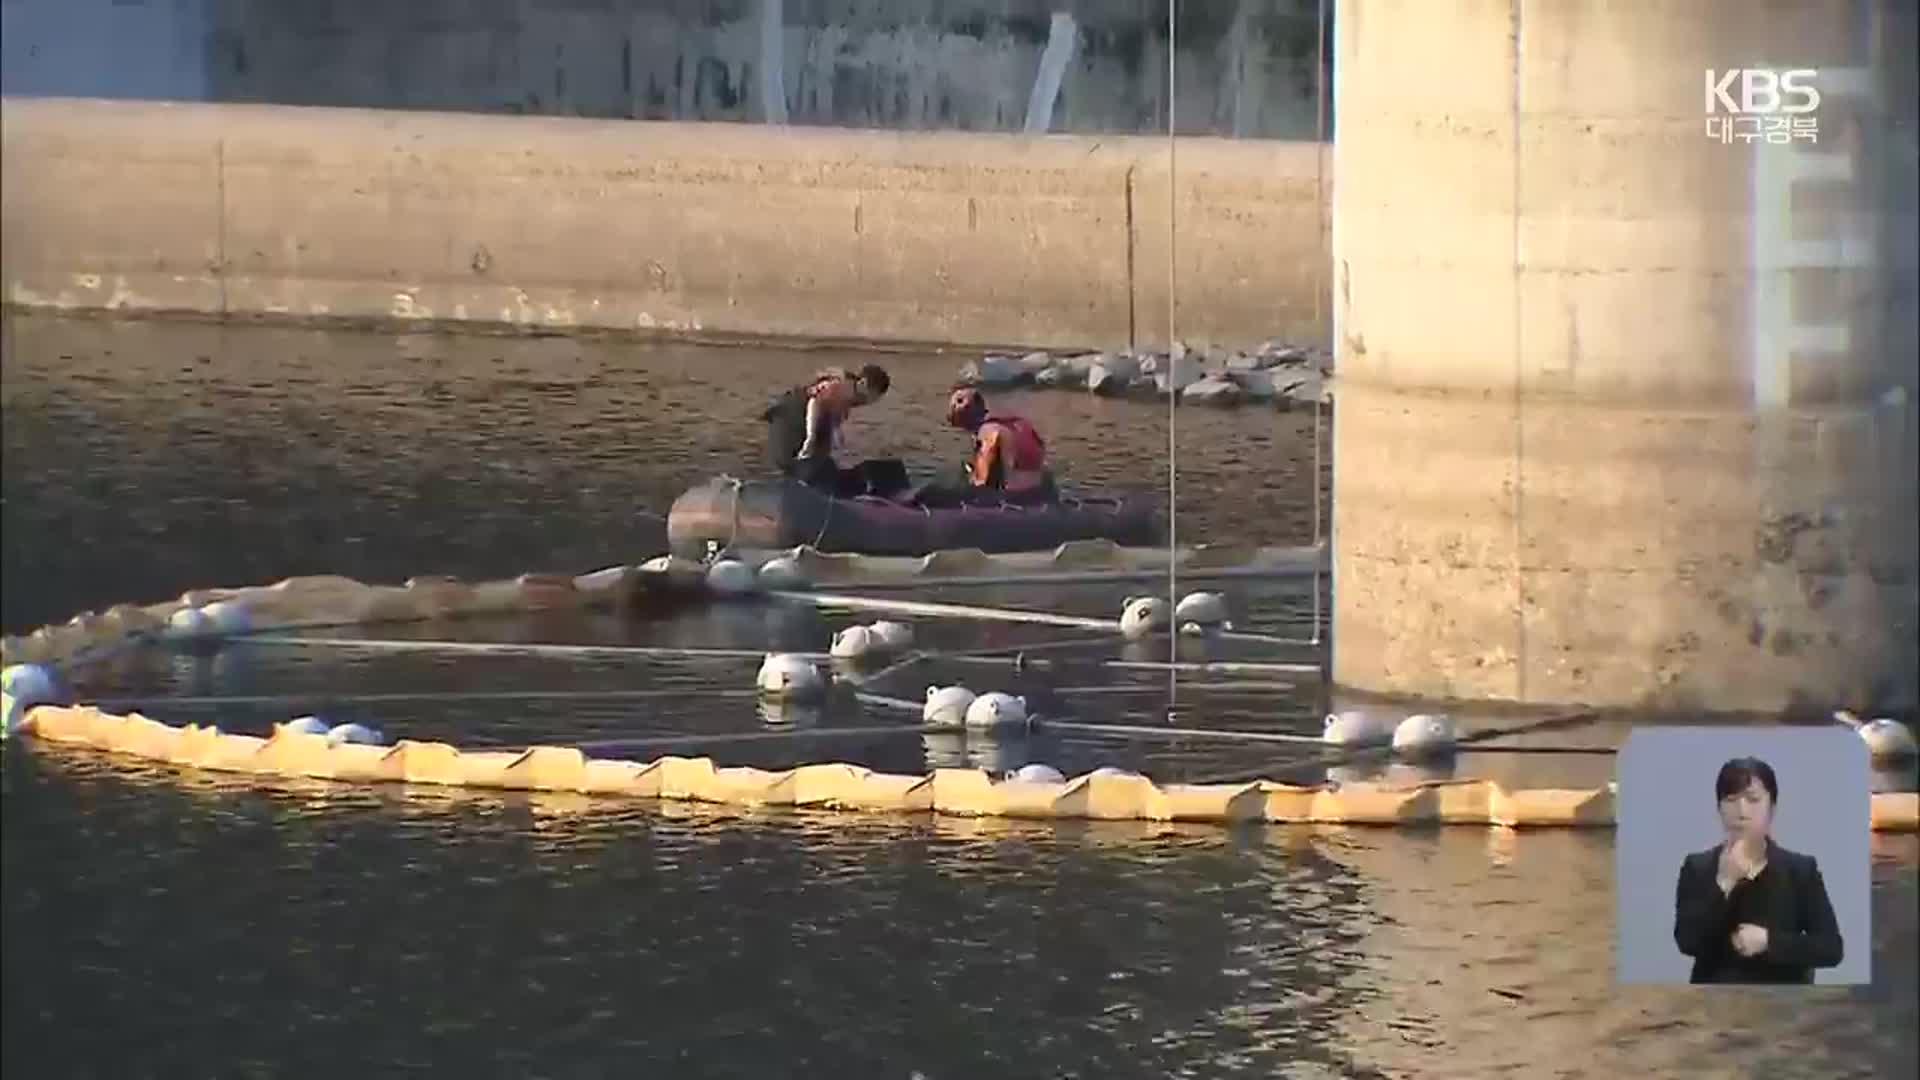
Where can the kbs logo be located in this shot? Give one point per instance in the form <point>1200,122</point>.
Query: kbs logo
<point>1756,104</point>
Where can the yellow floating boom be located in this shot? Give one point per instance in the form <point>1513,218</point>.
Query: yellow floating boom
<point>1100,795</point>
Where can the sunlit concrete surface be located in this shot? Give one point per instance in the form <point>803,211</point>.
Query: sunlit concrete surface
<point>713,229</point>
<point>1625,413</point>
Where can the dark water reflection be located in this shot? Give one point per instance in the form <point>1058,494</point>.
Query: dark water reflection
<point>160,922</point>
<point>194,927</point>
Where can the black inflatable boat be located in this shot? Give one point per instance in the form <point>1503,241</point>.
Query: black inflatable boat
<point>776,514</point>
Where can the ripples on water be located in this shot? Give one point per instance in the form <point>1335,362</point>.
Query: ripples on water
<point>165,922</point>
<point>189,453</point>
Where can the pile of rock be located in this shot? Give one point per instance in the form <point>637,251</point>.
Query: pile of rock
<point>1285,376</point>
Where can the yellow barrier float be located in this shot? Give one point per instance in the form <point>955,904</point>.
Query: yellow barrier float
<point>1103,794</point>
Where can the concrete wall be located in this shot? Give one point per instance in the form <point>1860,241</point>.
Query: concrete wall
<point>724,230</point>
<point>1245,67</point>
<point>1633,423</point>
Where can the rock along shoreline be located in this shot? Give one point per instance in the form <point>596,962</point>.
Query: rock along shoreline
<point>1276,375</point>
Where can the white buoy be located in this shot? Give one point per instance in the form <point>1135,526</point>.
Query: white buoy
<point>1887,738</point>
<point>730,577</point>
<point>1037,774</point>
<point>1356,727</point>
<point>947,705</point>
<point>784,675</point>
<point>783,572</point>
<point>852,643</point>
<point>893,636</point>
<point>190,623</point>
<point>1205,608</point>
<point>1141,616</point>
<point>353,733</point>
<point>995,709</point>
<point>24,686</point>
<point>1196,630</point>
<point>304,725</point>
<point>228,617</point>
<point>1424,735</point>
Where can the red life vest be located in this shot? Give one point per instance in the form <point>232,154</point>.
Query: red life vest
<point>1015,446</point>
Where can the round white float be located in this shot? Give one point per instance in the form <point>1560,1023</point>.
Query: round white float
<point>1141,616</point>
<point>852,643</point>
<point>189,624</point>
<point>1887,739</point>
<point>228,617</point>
<point>995,709</point>
<point>783,572</point>
<point>353,733</point>
<point>24,686</point>
<point>790,677</point>
<point>1356,727</point>
<point>1424,735</point>
<point>1205,608</point>
<point>305,725</point>
<point>947,705</point>
<point>730,577</point>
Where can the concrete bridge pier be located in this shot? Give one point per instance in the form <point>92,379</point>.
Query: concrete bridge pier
<point>1625,412</point>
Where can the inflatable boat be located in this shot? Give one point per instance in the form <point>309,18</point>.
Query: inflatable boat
<point>777,513</point>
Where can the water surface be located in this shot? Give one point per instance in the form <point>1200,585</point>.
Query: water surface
<point>163,922</point>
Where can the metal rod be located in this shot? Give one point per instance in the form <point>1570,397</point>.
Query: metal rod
<point>1495,748</point>
<point>901,664</point>
<point>512,648</point>
<point>794,734</point>
<point>1214,687</point>
<point>1214,667</point>
<point>1259,639</point>
<point>1175,732</point>
<point>1217,667</point>
<point>1005,652</point>
<point>890,702</point>
<point>1089,577</point>
<point>950,611</point>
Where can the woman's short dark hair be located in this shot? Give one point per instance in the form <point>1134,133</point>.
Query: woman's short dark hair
<point>876,379</point>
<point>1738,773</point>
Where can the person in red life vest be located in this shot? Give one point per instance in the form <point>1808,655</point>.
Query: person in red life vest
<point>1009,459</point>
<point>804,422</point>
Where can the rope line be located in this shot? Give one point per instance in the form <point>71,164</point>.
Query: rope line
<point>1173,446</point>
<point>514,648</point>
<point>1319,295</point>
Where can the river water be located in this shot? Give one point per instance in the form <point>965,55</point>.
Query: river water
<point>159,922</point>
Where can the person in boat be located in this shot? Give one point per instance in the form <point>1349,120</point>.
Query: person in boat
<point>803,425</point>
<point>1008,463</point>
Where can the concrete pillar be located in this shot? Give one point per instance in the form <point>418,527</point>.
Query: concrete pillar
<point>1625,414</point>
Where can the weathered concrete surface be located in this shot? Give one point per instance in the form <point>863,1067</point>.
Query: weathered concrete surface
<point>714,229</point>
<point>1630,424</point>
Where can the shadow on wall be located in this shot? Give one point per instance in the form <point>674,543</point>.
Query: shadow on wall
<point>1245,67</point>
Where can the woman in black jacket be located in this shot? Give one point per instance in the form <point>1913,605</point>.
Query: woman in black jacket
<point>1749,910</point>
